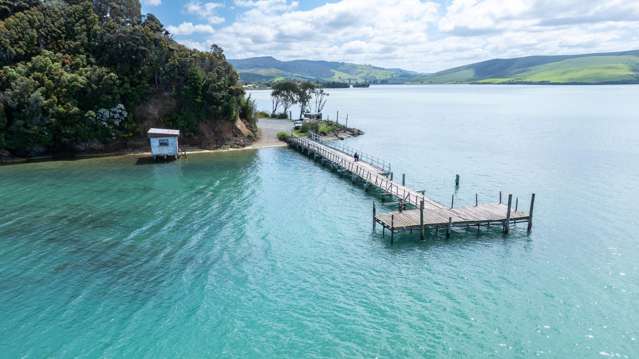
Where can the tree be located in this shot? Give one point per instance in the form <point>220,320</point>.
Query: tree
<point>50,102</point>
<point>10,7</point>
<point>286,91</point>
<point>303,95</point>
<point>321,97</point>
<point>121,11</point>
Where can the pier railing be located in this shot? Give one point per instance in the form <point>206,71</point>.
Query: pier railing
<point>383,166</point>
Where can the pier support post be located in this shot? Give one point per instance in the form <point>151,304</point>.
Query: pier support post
<point>421,220</point>
<point>456,181</point>
<point>516,204</point>
<point>499,197</point>
<point>374,213</point>
<point>404,179</point>
<point>450,223</point>
<point>392,229</point>
<point>507,223</point>
<point>530,214</point>
<point>452,201</point>
<point>476,199</point>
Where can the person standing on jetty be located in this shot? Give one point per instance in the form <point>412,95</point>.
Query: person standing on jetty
<point>356,157</point>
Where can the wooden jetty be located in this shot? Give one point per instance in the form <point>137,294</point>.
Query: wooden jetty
<point>416,211</point>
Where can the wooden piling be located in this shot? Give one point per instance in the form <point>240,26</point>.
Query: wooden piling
<point>452,201</point>
<point>530,214</point>
<point>421,220</point>
<point>516,204</point>
<point>374,213</point>
<point>403,179</point>
<point>450,223</point>
<point>507,223</point>
<point>476,199</point>
<point>392,229</point>
<point>456,180</point>
<point>499,197</point>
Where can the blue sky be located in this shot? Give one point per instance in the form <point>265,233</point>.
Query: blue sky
<point>419,35</point>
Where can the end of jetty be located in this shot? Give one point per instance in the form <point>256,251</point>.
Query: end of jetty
<point>416,211</point>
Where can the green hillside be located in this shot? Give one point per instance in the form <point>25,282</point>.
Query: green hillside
<point>266,69</point>
<point>605,68</point>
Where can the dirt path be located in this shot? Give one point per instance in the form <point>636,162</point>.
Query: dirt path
<point>268,130</point>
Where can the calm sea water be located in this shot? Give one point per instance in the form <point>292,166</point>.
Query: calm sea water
<point>267,254</point>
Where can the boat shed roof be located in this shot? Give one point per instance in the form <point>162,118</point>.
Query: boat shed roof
<point>162,132</point>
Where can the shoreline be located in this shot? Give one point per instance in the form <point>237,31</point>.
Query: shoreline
<point>268,129</point>
<point>135,154</point>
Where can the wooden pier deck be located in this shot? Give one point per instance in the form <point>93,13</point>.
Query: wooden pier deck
<point>425,213</point>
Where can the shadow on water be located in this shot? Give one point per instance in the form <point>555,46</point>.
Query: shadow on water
<point>143,161</point>
<point>459,239</point>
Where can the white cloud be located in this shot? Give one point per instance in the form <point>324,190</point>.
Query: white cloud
<point>423,35</point>
<point>188,28</point>
<point>207,11</point>
<point>153,2</point>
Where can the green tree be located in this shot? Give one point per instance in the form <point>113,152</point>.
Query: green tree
<point>10,7</point>
<point>49,102</point>
<point>303,95</point>
<point>121,11</point>
<point>286,93</point>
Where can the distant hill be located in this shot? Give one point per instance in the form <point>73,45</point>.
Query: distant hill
<point>602,68</point>
<point>265,69</point>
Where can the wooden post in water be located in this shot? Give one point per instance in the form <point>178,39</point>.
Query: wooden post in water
<point>450,222</point>
<point>421,220</point>
<point>392,228</point>
<point>507,223</point>
<point>499,197</point>
<point>452,201</point>
<point>337,118</point>
<point>476,199</point>
<point>403,179</point>
<point>374,213</point>
<point>530,214</point>
<point>456,181</point>
<point>516,204</point>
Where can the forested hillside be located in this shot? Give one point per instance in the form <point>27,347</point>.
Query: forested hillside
<point>80,75</point>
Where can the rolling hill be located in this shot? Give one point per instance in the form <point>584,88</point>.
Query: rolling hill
<point>602,68</point>
<point>588,69</point>
<point>266,69</point>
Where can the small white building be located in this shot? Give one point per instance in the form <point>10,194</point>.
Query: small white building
<point>164,143</point>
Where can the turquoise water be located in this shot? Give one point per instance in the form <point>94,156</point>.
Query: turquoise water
<point>267,254</point>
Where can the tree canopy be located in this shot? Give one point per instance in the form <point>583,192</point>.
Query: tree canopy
<point>75,71</point>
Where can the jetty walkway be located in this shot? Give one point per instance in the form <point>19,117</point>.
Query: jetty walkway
<point>416,211</point>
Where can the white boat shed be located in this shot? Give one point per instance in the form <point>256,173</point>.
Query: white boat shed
<point>164,143</point>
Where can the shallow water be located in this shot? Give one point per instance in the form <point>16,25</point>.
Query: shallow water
<point>268,254</point>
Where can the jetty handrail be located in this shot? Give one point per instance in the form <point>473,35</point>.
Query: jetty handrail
<point>377,162</point>
<point>404,194</point>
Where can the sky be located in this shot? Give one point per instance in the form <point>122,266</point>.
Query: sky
<point>424,36</point>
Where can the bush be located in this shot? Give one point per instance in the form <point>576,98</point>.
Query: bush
<point>248,111</point>
<point>283,136</point>
<point>262,114</point>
